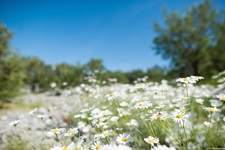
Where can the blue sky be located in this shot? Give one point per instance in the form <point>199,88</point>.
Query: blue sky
<point>117,31</point>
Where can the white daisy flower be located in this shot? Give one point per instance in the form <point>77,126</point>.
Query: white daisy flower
<point>71,132</point>
<point>14,123</point>
<point>106,133</point>
<point>221,97</point>
<point>123,138</point>
<point>69,147</point>
<point>57,148</point>
<point>55,131</point>
<point>34,111</point>
<point>41,116</point>
<point>97,146</point>
<point>197,78</point>
<point>142,105</point>
<point>132,122</point>
<point>208,124</point>
<point>114,118</point>
<point>53,85</point>
<point>215,103</point>
<point>182,98</point>
<point>122,112</point>
<point>186,80</point>
<point>111,96</point>
<point>141,86</point>
<point>151,140</point>
<point>199,100</point>
<point>179,117</point>
<point>212,109</point>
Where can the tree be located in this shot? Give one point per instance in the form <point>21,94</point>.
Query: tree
<point>134,74</point>
<point>156,73</point>
<point>95,65</point>
<point>11,74</point>
<point>38,74</point>
<point>190,40</point>
<point>73,75</point>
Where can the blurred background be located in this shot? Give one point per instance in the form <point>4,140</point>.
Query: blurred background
<point>64,42</point>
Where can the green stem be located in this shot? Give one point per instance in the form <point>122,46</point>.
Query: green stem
<point>23,136</point>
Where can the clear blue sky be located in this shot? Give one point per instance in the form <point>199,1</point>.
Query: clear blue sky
<point>117,31</point>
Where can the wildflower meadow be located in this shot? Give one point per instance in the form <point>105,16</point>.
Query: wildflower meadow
<point>182,114</point>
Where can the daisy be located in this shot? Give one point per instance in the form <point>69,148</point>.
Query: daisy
<point>106,133</point>
<point>69,147</point>
<point>71,132</point>
<point>197,78</point>
<point>33,111</point>
<point>132,122</point>
<point>182,98</point>
<point>215,103</point>
<point>14,123</point>
<point>141,87</point>
<point>199,100</point>
<point>114,118</point>
<point>122,112</point>
<point>53,85</point>
<point>111,96</point>
<point>211,109</point>
<point>98,122</point>
<point>186,80</point>
<point>155,114</point>
<point>179,117</point>
<point>221,97</point>
<point>55,131</point>
<point>208,124</point>
<point>123,104</point>
<point>97,146</point>
<point>41,116</point>
<point>164,116</point>
<point>151,140</point>
<point>123,138</point>
<point>142,105</point>
<point>57,148</point>
<point>160,106</point>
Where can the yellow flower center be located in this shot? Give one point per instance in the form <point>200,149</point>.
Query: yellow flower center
<point>164,117</point>
<point>151,141</point>
<point>182,111</point>
<point>55,130</point>
<point>70,131</point>
<point>185,79</point>
<point>98,122</point>
<point>183,98</point>
<point>78,148</point>
<point>97,147</point>
<point>140,104</point>
<point>211,110</point>
<point>179,116</point>
<point>124,139</point>
<point>106,135</point>
<point>65,148</point>
<point>223,98</point>
<point>111,94</point>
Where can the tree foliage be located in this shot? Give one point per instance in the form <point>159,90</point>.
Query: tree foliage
<point>11,74</point>
<point>192,41</point>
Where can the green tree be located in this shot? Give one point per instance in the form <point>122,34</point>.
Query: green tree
<point>134,74</point>
<point>73,75</point>
<point>190,40</point>
<point>11,74</point>
<point>95,65</point>
<point>38,74</point>
<point>156,73</point>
